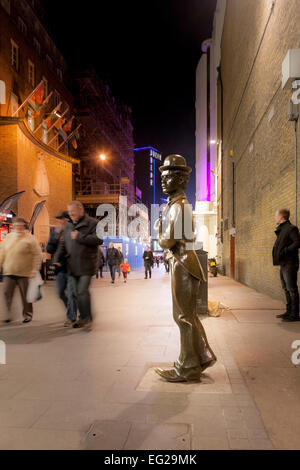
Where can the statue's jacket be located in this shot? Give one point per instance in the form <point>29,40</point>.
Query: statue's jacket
<point>176,233</point>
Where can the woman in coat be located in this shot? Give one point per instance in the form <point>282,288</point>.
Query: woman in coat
<point>21,259</point>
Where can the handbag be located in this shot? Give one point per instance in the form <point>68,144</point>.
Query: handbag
<point>34,293</point>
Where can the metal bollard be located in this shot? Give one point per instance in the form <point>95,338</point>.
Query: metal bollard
<point>202,297</point>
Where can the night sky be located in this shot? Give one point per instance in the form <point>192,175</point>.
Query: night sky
<point>147,51</point>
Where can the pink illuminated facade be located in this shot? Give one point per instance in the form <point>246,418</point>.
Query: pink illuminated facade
<point>208,145</point>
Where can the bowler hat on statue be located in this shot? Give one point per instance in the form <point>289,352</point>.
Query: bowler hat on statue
<point>175,162</point>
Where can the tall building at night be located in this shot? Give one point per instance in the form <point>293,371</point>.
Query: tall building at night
<point>33,156</point>
<point>106,169</point>
<point>147,176</point>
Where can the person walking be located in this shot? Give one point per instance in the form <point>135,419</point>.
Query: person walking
<point>125,269</point>
<point>80,244</point>
<point>100,263</point>
<point>62,279</point>
<point>121,260</point>
<point>285,255</point>
<point>148,262</point>
<point>20,259</point>
<point>166,261</point>
<point>112,259</point>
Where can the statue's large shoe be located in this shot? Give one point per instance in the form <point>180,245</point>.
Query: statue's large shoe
<point>208,364</point>
<point>171,376</point>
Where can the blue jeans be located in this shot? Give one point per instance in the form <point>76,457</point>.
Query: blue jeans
<point>112,268</point>
<point>63,283</point>
<point>80,288</point>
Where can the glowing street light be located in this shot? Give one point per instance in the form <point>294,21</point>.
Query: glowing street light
<point>102,157</point>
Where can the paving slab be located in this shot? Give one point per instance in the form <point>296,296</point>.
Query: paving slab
<point>97,389</point>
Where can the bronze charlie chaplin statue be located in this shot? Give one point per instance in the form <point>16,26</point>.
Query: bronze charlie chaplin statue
<point>176,233</point>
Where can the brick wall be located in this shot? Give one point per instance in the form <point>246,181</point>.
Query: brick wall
<point>18,172</point>
<point>255,42</point>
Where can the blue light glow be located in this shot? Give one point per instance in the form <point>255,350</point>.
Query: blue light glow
<point>146,148</point>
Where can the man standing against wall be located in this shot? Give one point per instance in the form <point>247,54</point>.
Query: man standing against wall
<point>285,255</point>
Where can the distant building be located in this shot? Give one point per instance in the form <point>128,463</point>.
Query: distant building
<point>33,156</point>
<point>147,176</point>
<point>107,131</point>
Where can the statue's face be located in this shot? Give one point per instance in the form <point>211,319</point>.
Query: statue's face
<point>171,181</point>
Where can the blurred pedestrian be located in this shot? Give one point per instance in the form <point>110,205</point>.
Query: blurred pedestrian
<point>148,262</point>
<point>100,263</point>
<point>285,255</point>
<point>112,259</point>
<point>62,279</point>
<point>21,259</point>
<point>80,244</point>
<point>121,260</point>
<point>125,269</point>
<point>166,261</point>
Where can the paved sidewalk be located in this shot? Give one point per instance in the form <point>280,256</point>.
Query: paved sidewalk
<point>70,389</point>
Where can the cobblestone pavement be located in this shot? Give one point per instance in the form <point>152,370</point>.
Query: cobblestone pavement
<point>76,389</point>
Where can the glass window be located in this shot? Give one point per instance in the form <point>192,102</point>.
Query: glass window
<point>14,104</point>
<point>14,55</point>
<point>31,73</point>
<point>30,119</point>
<point>49,61</point>
<point>46,87</point>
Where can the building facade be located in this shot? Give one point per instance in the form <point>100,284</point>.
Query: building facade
<point>34,158</point>
<point>207,141</point>
<point>106,131</point>
<point>258,145</point>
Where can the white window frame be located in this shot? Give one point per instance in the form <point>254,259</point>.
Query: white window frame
<point>15,55</point>
<point>31,73</point>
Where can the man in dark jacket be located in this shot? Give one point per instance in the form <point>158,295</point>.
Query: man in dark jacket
<point>113,261</point>
<point>80,244</point>
<point>285,255</point>
<point>148,262</point>
<point>62,279</point>
<point>100,263</point>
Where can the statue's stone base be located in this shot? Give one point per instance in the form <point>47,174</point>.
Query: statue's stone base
<point>214,380</point>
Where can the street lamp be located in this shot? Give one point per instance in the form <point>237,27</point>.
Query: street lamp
<point>102,157</point>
